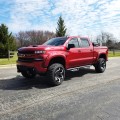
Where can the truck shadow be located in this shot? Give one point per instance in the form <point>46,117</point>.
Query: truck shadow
<point>40,82</point>
<point>21,83</point>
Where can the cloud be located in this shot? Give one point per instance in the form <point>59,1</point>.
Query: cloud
<point>27,15</point>
<point>91,16</point>
<point>82,17</point>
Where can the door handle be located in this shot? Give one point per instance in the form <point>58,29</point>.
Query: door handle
<point>91,50</point>
<point>79,50</point>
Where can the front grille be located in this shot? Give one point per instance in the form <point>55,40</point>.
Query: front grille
<point>26,52</point>
<point>26,59</point>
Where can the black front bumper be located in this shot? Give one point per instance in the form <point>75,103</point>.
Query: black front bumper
<point>25,68</point>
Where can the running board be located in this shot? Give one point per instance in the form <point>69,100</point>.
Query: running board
<point>77,68</point>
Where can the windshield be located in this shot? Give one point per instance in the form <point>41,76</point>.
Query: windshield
<point>56,41</point>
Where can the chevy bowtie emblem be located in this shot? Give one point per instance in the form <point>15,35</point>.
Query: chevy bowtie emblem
<point>21,55</point>
<point>25,55</point>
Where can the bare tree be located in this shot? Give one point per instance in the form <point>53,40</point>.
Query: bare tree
<point>22,38</point>
<point>33,37</point>
<point>106,38</point>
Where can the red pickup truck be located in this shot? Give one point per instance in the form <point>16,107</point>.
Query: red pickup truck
<point>59,54</point>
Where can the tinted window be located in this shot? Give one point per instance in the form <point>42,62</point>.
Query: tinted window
<point>75,42</point>
<point>84,43</point>
<point>56,41</point>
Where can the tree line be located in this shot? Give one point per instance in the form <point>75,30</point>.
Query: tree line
<point>11,42</point>
<point>26,38</point>
<point>108,39</point>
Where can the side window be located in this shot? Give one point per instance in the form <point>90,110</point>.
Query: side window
<point>74,41</point>
<point>84,43</point>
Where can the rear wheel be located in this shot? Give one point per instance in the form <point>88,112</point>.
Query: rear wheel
<point>100,66</point>
<point>56,74</point>
<point>28,74</point>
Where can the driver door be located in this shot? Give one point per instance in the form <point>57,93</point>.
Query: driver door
<point>73,54</point>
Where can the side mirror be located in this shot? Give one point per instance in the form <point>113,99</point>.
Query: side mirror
<point>70,46</point>
<point>95,44</point>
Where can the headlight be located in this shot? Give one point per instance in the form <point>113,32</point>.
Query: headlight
<point>40,52</point>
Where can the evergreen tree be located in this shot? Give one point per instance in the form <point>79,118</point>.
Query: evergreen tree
<point>61,29</point>
<point>7,41</point>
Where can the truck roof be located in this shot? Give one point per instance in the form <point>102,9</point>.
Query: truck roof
<point>82,37</point>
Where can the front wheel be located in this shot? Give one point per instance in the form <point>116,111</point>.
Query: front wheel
<point>100,66</point>
<point>28,74</point>
<point>56,74</point>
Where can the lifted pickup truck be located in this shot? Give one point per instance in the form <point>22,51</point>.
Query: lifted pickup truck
<point>59,54</point>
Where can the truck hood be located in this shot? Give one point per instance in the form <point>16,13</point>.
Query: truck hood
<point>40,47</point>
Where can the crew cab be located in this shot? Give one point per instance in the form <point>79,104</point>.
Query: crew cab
<point>59,54</point>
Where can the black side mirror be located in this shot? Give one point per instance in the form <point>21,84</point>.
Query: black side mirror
<point>70,46</point>
<point>95,44</point>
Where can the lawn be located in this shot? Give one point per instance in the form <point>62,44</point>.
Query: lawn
<point>116,54</point>
<point>5,61</point>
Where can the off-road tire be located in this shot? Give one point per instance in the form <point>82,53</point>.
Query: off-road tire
<point>56,74</point>
<point>100,66</point>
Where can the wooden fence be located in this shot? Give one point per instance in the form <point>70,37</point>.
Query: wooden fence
<point>10,54</point>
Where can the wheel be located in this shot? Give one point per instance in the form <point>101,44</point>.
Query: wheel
<point>56,74</point>
<point>28,74</point>
<point>100,66</point>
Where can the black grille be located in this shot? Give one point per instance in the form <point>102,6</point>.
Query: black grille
<point>26,52</point>
<point>26,59</point>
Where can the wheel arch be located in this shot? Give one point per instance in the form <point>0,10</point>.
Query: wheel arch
<point>103,56</point>
<point>57,59</point>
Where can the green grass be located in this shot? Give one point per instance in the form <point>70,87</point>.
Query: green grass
<point>5,61</point>
<point>117,54</point>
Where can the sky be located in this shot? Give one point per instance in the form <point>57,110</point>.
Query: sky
<point>81,17</point>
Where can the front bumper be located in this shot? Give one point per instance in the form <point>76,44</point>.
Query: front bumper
<point>36,66</point>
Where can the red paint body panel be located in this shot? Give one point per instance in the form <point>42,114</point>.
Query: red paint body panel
<point>73,58</point>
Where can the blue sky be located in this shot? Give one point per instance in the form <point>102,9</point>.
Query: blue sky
<point>82,17</point>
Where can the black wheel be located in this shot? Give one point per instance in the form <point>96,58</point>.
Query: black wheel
<point>28,74</point>
<point>100,66</point>
<point>56,74</point>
